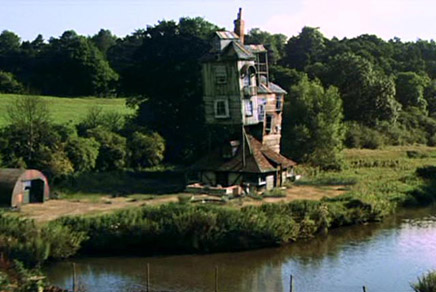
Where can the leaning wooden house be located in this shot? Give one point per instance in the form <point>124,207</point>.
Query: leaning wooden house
<point>239,97</point>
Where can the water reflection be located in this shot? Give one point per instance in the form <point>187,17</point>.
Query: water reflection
<point>384,257</point>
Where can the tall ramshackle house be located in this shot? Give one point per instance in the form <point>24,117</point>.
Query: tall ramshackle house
<point>240,101</point>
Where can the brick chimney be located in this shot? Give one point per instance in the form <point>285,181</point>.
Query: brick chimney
<point>240,26</point>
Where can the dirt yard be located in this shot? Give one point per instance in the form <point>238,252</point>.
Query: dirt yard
<point>53,209</point>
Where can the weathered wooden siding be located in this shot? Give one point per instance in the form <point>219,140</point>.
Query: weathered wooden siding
<point>230,91</point>
<point>272,139</point>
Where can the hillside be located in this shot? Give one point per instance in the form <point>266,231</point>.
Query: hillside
<point>69,110</point>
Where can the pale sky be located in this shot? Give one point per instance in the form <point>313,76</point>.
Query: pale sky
<point>406,19</point>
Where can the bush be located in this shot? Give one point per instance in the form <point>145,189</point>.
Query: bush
<point>8,83</point>
<point>82,152</point>
<point>426,283</point>
<point>360,136</point>
<point>112,151</point>
<point>21,239</point>
<point>146,150</point>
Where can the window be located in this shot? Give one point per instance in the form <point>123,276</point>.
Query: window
<point>220,75</point>
<point>221,108</point>
<point>278,102</point>
<point>269,122</point>
<point>248,108</point>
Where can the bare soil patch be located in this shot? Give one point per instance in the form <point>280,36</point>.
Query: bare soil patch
<point>54,209</point>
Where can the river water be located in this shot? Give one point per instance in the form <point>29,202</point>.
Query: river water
<point>385,256</point>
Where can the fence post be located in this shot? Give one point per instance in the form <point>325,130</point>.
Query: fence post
<point>148,277</point>
<point>74,277</point>
<point>291,284</point>
<point>216,278</point>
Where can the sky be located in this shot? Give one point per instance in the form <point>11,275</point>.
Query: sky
<point>408,20</point>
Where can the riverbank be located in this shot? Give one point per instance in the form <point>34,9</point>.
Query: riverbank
<point>374,183</point>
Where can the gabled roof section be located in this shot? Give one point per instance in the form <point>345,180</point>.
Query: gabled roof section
<point>256,49</point>
<point>227,35</point>
<point>270,88</point>
<point>238,51</point>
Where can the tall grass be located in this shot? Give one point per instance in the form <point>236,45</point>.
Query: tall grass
<point>426,283</point>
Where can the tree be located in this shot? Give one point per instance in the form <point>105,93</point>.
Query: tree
<point>274,43</point>
<point>73,66</point>
<point>8,83</point>
<point>368,95</point>
<point>168,72</point>
<point>410,90</point>
<point>30,116</point>
<point>104,40</point>
<point>112,151</point>
<point>9,50</point>
<point>312,128</point>
<point>82,152</point>
<point>305,49</point>
<point>146,150</point>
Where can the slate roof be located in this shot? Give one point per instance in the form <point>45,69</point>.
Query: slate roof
<point>256,48</point>
<point>235,49</point>
<point>271,88</point>
<point>258,159</point>
<point>227,35</point>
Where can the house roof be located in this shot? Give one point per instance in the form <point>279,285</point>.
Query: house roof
<point>258,159</point>
<point>227,35</point>
<point>270,88</point>
<point>256,48</point>
<point>235,49</point>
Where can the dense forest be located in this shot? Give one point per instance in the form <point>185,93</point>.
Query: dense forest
<point>362,92</point>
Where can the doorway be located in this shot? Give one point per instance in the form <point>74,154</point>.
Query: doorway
<point>36,194</point>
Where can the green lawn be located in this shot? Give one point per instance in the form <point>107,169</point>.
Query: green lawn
<point>68,110</point>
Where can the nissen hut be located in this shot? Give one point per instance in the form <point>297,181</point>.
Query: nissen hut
<point>22,186</point>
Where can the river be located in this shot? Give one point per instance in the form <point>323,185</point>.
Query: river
<point>385,256</point>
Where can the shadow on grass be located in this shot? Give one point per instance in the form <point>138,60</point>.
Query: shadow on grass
<point>426,193</point>
<point>124,183</point>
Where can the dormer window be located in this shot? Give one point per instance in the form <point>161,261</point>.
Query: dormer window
<point>221,108</point>
<point>220,75</point>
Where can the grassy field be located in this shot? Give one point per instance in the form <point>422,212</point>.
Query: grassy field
<point>69,110</point>
<point>383,174</point>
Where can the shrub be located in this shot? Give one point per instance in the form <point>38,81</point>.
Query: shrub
<point>112,151</point>
<point>146,150</point>
<point>360,136</point>
<point>8,83</point>
<point>426,283</point>
<point>82,152</point>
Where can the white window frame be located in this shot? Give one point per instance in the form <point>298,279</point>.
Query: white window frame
<point>226,109</point>
<point>249,105</point>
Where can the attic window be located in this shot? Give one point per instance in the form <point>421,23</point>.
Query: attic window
<point>221,107</point>
<point>220,75</point>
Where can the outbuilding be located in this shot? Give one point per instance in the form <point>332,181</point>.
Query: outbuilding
<point>22,186</point>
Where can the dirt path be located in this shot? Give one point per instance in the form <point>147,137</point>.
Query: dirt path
<point>53,209</point>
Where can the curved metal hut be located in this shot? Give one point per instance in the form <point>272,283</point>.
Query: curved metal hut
<point>22,186</point>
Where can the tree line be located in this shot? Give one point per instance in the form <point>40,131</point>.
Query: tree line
<point>357,92</point>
